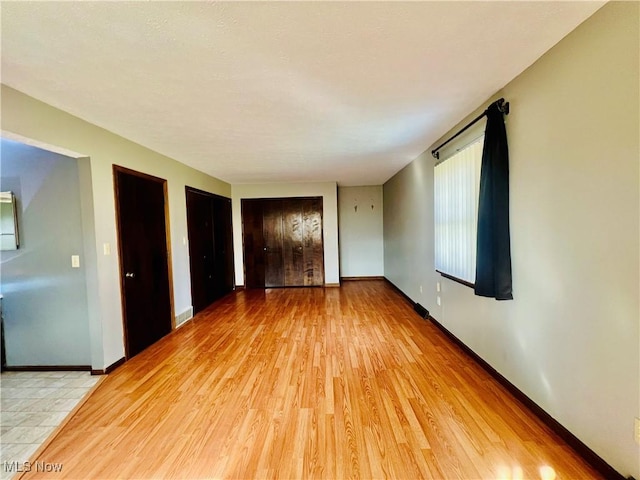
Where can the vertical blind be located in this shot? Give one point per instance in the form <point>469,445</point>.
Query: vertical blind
<point>456,187</point>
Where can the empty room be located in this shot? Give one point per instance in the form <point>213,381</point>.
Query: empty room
<point>326,240</point>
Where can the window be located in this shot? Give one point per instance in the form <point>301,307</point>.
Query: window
<point>456,187</point>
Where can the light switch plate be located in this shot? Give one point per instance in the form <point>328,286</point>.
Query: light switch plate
<point>75,261</point>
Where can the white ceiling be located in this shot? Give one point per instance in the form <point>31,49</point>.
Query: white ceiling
<point>254,92</point>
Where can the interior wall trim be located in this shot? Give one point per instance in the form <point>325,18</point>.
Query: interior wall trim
<point>357,279</point>
<point>591,457</point>
<point>47,368</point>
<point>109,369</point>
<point>400,292</point>
<point>331,285</point>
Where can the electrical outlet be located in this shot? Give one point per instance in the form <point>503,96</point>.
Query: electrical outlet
<point>75,261</point>
<point>437,286</point>
<point>420,288</point>
<point>637,430</point>
<point>438,300</point>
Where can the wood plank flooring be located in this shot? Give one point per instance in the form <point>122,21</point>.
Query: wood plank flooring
<point>307,383</point>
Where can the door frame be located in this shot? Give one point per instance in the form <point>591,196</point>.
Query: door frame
<point>127,171</point>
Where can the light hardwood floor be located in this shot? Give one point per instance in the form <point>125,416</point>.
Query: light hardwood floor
<point>307,383</point>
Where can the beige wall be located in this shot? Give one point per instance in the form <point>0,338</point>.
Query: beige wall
<point>361,245</point>
<point>570,339</point>
<point>30,118</point>
<point>326,190</point>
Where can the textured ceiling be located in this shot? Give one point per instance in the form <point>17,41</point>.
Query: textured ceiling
<point>278,91</point>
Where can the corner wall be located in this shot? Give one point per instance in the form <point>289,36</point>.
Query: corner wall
<point>45,312</point>
<point>570,339</point>
<point>360,231</point>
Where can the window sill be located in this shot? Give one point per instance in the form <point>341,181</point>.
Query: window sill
<point>457,280</point>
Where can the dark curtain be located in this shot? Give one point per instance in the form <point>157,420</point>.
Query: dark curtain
<point>493,264</point>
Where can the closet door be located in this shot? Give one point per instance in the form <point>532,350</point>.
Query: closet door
<point>210,247</point>
<point>293,255</point>
<point>272,231</point>
<point>223,246</point>
<point>253,243</point>
<point>313,246</point>
<point>283,244</point>
<point>201,256</point>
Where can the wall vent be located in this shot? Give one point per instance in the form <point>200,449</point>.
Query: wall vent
<point>184,316</point>
<point>423,312</point>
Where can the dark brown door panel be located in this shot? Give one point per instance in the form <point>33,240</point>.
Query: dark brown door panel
<point>272,231</point>
<point>282,242</point>
<point>144,259</point>
<point>253,243</point>
<point>210,247</point>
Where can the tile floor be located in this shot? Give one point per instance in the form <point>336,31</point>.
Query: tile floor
<point>33,405</point>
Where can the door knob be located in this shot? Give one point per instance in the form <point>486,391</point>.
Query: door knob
<point>129,275</point>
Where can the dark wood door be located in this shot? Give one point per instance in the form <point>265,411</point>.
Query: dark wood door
<point>210,247</point>
<point>313,244</point>
<point>201,253</point>
<point>144,259</point>
<point>253,243</point>
<point>283,245</point>
<point>223,246</point>
<point>272,232</point>
<point>293,255</point>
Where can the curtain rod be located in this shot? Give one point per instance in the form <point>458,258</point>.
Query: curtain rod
<point>502,107</point>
